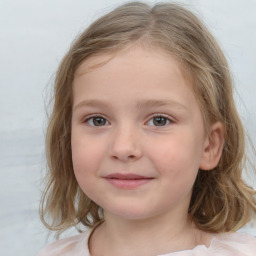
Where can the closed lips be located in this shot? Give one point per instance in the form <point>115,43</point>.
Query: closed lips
<point>126,176</point>
<point>127,181</point>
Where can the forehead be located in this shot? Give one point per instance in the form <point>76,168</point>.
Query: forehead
<point>128,65</point>
<point>92,63</point>
<point>131,63</point>
<point>147,50</point>
<point>132,76</point>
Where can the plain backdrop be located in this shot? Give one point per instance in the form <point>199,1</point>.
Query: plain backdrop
<point>34,35</point>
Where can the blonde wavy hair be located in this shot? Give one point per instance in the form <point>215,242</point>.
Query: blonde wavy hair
<point>221,201</point>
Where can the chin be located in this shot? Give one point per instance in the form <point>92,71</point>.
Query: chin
<point>131,213</point>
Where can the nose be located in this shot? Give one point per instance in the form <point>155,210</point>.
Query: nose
<point>125,145</point>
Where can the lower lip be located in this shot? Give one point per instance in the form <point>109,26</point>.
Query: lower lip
<point>128,184</point>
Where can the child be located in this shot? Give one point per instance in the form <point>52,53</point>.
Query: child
<point>144,145</point>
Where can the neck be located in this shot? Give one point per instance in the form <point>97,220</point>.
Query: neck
<point>117,236</point>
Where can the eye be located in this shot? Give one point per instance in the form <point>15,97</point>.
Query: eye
<point>159,120</point>
<point>96,121</point>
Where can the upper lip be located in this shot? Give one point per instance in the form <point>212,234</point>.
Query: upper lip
<point>128,176</point>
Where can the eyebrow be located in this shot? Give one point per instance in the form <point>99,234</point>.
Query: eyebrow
<point>139,105</point>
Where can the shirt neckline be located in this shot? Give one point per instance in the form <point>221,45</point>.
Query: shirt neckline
<point>214,237</point>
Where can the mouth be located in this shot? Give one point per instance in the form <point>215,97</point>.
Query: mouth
<point>127,181</point>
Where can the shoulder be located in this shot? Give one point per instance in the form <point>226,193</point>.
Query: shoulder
<point>75,245</point>
<point>227,244</point>
<point>239,244</point>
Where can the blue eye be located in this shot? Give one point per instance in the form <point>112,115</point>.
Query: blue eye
<point>96,121</point>
<point>159,120</point>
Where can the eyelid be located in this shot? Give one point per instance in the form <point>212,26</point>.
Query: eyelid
<point>87,118</point>
<point>163,115</point>
<point>170,119</point>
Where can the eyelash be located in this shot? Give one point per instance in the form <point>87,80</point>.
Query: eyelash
<point>167,118</point>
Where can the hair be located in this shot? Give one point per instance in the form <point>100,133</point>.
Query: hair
<point>221,201</point>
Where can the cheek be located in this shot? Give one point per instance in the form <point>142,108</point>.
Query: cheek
<point>86,156</point>
<point>178,155</point>
<point>86,159</point>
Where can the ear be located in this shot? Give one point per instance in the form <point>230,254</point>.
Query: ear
<point>213,146</point>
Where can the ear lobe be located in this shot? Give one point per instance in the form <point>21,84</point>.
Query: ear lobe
<point>213,147</point>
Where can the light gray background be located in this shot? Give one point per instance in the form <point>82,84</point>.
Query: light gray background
<point>34,35</point>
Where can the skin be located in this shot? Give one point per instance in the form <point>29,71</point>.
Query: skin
<point>126,138</point>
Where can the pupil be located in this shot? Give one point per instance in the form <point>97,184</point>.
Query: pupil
<point>98,121</point>
<point>158,121</point>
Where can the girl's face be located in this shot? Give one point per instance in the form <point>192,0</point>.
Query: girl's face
<point>137,134</point>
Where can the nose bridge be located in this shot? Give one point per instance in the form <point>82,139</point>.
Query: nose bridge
<point>125,143</point>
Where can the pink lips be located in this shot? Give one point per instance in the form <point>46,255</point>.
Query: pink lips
<point>127,181</point>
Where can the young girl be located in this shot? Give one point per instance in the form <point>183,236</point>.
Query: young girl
<point>144,145</point>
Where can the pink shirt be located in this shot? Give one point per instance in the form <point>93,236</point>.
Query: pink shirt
<point>228,244</point>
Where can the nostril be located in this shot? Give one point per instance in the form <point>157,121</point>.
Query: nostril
<point>125,157</point>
